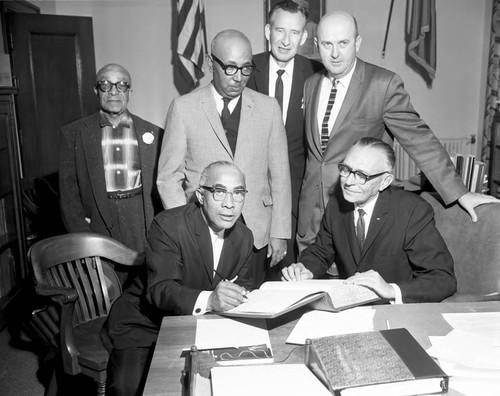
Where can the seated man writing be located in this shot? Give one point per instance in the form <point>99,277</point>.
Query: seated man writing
<point>379,236</point>
<point>198,259</point>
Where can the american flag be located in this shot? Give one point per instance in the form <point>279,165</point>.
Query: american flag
<point>191,45</point>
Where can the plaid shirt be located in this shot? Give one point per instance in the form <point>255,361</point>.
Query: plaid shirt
<point>120,153</point>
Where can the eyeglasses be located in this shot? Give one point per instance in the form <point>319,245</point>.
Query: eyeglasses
<point>220,194</point>
<point>231,70</point>
<point>359,176</point>
<point>106,86</point>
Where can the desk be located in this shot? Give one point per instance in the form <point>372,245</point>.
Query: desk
<point>178,332</point>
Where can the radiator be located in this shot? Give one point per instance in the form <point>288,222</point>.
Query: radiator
<point>406,167</point>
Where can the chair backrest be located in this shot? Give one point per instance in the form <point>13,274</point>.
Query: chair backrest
<point>79,261</point>
<point>475,247</point>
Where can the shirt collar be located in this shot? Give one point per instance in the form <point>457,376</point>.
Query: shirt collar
<point>274,67</point>
<point>346,80</point>
<point>369,207</point>
<point>218,97</point>
<point>125,119</point>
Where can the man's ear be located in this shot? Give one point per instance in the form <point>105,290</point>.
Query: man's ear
<point>358,42</point>
<point>304,37</point>
<point>199,196</point>
<point>210,63</point>
<point>95,91</point>
<point>267,32</point>
<point>386,181</point>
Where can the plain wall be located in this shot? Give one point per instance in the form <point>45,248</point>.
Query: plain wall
<point>137,35</point>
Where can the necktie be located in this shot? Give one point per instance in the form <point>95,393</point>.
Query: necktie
<point>225,114</point>
<point>278,90</point>
<point>324,126</point>
<point>360,228</point>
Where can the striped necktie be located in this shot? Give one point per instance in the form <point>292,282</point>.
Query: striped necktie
<point>324,126</point>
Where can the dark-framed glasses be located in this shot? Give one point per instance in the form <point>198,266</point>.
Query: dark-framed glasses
<point>231,70</point>
<point>106,86</point>
<point>220,194</point>
<point>359,176</point>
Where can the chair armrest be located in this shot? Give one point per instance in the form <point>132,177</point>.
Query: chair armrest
<point>63,295</point>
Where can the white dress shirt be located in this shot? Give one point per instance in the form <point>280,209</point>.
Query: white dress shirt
<point>287,77</point>
<point>324,95</point>
<point>219,103</point>
<point>200,307</point>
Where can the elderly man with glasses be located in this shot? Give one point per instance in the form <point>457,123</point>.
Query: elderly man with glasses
<point>227,121</point>
<point>379,236</point>
<point>106,167</point>
<point>198,260</point>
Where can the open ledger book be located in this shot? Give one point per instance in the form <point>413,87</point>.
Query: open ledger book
<point>277,298</point>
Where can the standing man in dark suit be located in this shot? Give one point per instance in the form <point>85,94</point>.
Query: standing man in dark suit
<point>355,99</point>
<point>198,260</point>
<point>282,73</point>
<point>108,165</point>
<point>380,237</point>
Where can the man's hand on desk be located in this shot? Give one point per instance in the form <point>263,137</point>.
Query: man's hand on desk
<point>226,295</point>
<point>295,272</point>
<point>374,281</point>
<point>470,200</point>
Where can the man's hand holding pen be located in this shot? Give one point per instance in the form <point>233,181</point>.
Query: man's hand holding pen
<point>226,295</point>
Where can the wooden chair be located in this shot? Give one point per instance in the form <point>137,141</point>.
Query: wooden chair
<point>75,271</point>
<point>475,248</point>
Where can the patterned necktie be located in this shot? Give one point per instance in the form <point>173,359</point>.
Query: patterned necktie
<point>278,90</point>
<point>324,126</point>
<point>225,114</point>
<point>360,228</point>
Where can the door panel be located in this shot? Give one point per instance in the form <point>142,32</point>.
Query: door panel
<point>54,66</point>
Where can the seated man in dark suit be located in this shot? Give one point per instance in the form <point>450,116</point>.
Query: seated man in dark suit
<point>198,259</point>
<point>380,237</point>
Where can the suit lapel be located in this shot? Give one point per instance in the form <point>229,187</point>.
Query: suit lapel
<point>204,245</point>
<point>209,108</point>
<point>297,91</point>
<point>348,218</point>
<point>246,124</point>
<point>262,76</point>
<point>378,218</point>
<point>91,141</point>
<point>313,114</point>
<point>352,94</point>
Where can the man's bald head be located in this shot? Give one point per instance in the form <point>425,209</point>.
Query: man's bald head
<point>113,67</point>
<point>228,38</point>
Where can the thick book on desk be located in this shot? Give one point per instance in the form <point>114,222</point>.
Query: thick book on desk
<point>386,362</point>
<point>277,298</point>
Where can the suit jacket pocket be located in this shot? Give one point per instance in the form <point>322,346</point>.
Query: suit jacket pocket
<point>367,121</point>
<point>267,200</point>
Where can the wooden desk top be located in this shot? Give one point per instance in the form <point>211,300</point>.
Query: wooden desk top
<point>178,333</point>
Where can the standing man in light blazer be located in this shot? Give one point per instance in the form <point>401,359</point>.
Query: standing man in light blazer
<point>285,31</point>
<point>107,167</point>
<point>353,99</point>
<point>226,121</point>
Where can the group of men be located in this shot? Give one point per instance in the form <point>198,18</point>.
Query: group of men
<point>248,178</point>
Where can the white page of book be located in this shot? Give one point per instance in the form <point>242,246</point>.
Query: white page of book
<point>221,333</point>
<point>316,324</point>
<point>268,301</point>
<point>270,380</point>
<point>342,294</point>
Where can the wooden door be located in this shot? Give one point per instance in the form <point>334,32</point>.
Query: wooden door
<point>53,65</point>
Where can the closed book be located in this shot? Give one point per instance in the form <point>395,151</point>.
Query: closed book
<point>277,298</point>
<point>386,362</point>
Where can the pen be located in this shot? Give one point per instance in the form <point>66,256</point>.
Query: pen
<point>230,281</point>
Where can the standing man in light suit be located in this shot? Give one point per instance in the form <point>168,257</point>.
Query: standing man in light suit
<point>354,99</point>
<point>226,121</point>
<point>281,73</point>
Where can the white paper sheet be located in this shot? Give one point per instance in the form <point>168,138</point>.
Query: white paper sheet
<point>316,324</point>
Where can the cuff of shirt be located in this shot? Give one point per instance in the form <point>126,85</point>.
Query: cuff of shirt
<point>399,297</point>
<point>200,307</point>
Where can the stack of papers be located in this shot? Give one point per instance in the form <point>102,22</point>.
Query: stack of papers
<point>470,353</point>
